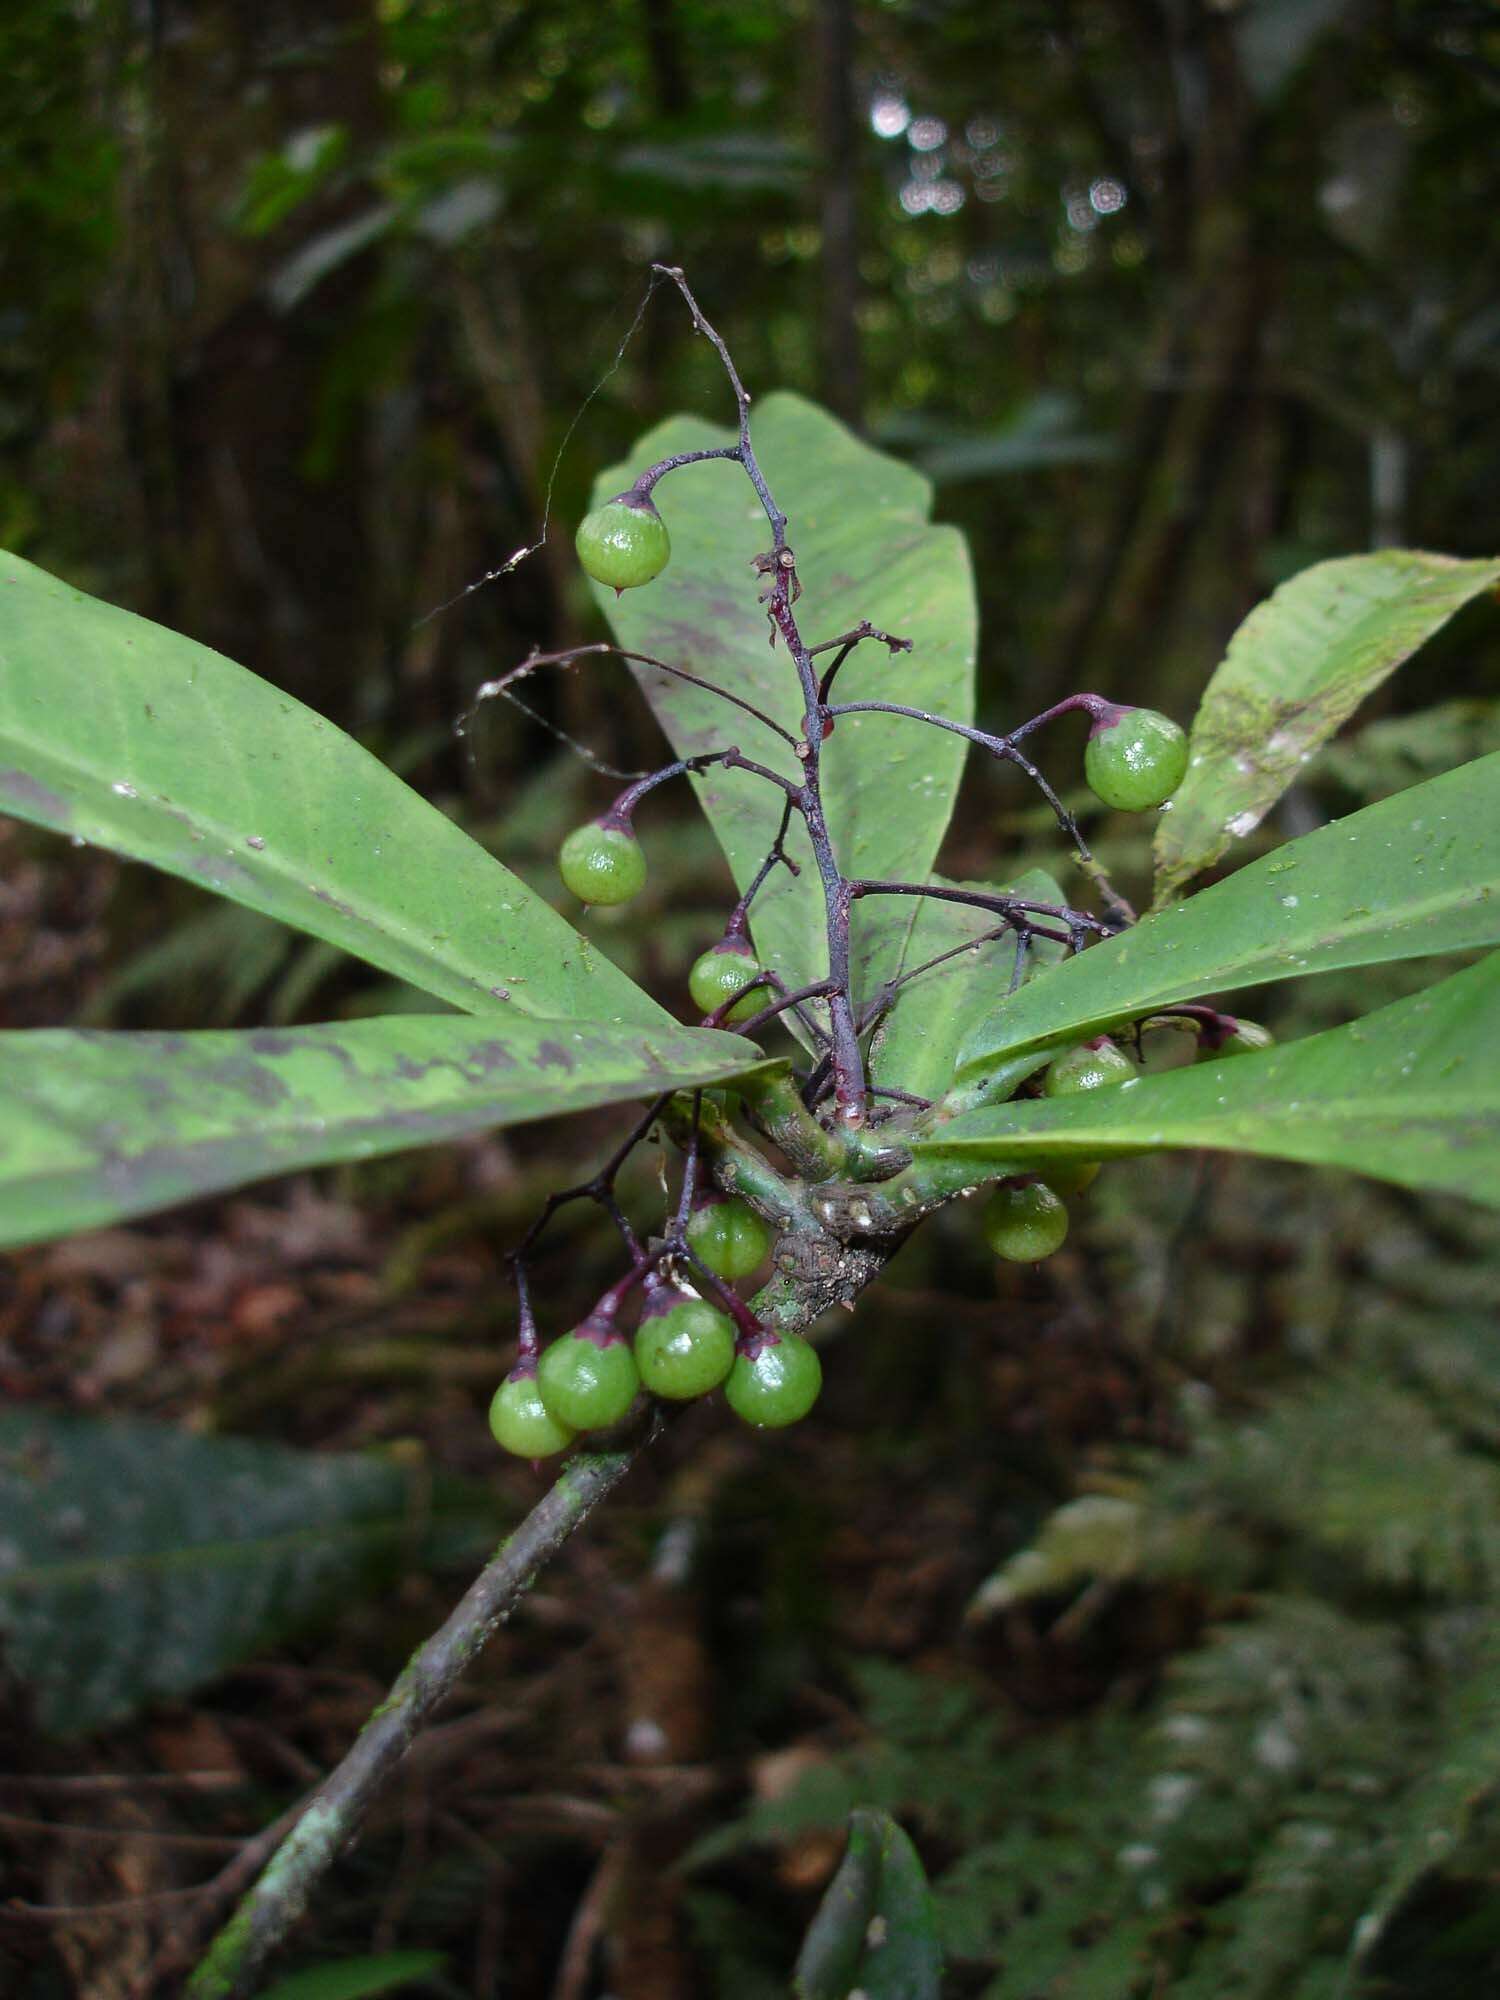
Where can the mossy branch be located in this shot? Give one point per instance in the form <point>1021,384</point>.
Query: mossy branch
<point>337,1810</point>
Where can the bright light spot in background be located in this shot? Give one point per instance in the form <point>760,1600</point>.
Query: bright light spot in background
<point>889,114</point>
<point>932,197</point>
<point>927,134</point>
<point>1107,196</point>
<point>1080,210</point>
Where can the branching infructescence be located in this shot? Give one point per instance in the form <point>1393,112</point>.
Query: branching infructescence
<point>817,1216</point>
<point>839,1134</point>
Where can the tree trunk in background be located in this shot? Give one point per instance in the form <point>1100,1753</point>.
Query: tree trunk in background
<point>248,549</point>
<point>838,201</point>
<point>1200,373</point>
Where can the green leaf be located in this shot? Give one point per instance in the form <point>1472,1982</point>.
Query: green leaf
<point>1296,669</point>
<point>865,550</point>
<point>357,1978</point>
<point>1409,1094</point>
<point>137,1561</point>
<point>875,1933</point>
<point>1413,876</point>
<point>95,1126</point>
<point>120,733</point>
<point>916,1048</point>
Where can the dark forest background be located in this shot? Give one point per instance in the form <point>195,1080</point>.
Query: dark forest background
<point>302,306</point>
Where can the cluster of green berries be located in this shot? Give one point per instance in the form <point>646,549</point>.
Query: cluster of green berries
<point>684,1348</point>
<point>1026,1218</point>
<point>1135,758</point>
<point>602,862</point>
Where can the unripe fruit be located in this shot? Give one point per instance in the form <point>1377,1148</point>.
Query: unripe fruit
<point>589,1379</point>
<point>1135,759</point>
<point>1068,1177</point>
<point>1024,1221</point>
<point>602,863</point>
<point>723,971</point>
<point>777,1384</point>
<point>683,1346</point>
<point>1090,1066</point>
<point>1245,1038</point>
<point>624,542</point>
<point>521,1421</point>
<point>731,1239</point>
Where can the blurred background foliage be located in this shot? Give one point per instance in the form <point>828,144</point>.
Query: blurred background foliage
<point>1154,1590</point>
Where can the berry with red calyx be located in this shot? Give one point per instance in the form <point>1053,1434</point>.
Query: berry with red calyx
<point>624,543</point>
<point>684,1347</point>
<point>775,1380</point>
<point>724,970</point>
<point>1096,1065</point>
<point>602,862</point>
<point>589,1379</point>
<point>731,1239</point>
<point>1025,1221</point>
<point>1241,1038</point>
<point>521,1421</point>
<point>1135,758</point>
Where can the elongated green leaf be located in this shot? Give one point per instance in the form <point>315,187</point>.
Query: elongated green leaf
<point>94,1126</point>
<point>1301,663</point>
<point>875,1933</point>
<point>1415,875</point>
<point>137,1561</point>
<point>1409,1094</point>
<point>118,732</point>
<point>865,550</point>
<point>358,1978</point>
<point>917,1047</point>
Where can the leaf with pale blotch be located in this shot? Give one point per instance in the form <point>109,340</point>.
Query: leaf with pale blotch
<point>874,1936</point>
<point>95,1126</point>
<point>1301,663</point>
<point>866,549</point>
<point>1414,876</point>
<point>1409,1094</point>
<point>122,734</point>
<point>138,1562</point>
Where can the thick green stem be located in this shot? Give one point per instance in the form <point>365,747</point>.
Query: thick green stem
<point>774,1106</point>
<point>884,1211</point>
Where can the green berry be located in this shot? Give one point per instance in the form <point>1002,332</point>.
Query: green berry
<point>1090,1066</point>
<point>730,1238</point>
<point>521,1421</point>
<point>1245,1038</point>
<point>602,864</point>
<point>1135,759</point>
<point>722,972</point>
<point>1069,1177</point>
<point>623,543</point>
<point>776,1385</point>
<point>588,1379</point>
<point>1025,1221</point>
<point>684,1347</point>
